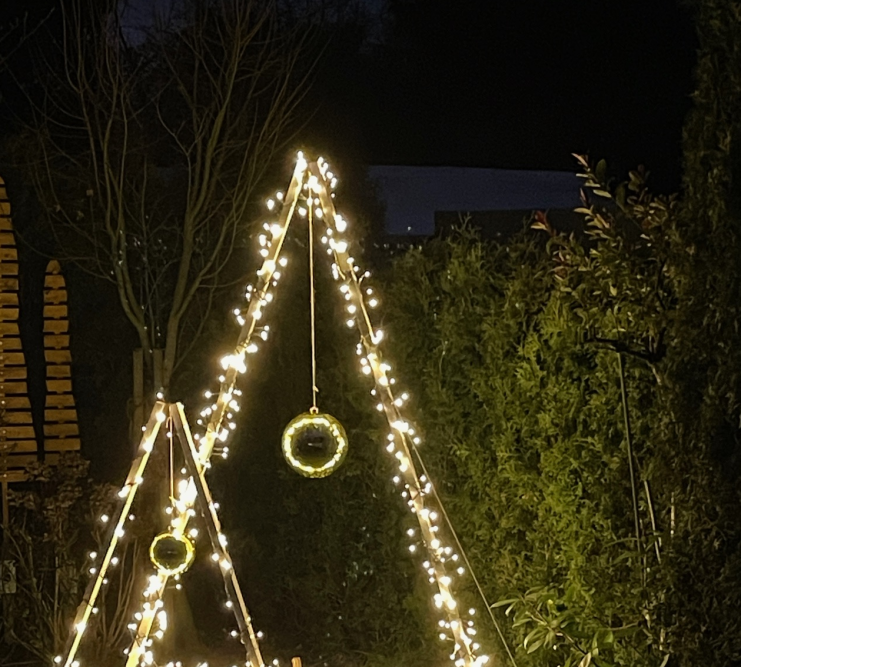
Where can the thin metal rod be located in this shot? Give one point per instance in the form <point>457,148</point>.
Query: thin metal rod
<point>630,463</point>
<point>657,542</point>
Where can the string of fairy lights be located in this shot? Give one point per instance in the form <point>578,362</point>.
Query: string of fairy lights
<point>310,193</point>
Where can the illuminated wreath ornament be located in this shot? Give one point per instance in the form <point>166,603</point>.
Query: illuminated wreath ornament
<point>172,553</point>
<point>314,444</point>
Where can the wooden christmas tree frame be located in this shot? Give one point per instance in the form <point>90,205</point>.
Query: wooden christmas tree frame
<point>309,195</point>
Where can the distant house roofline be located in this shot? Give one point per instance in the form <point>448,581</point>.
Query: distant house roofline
<point>413,195</point>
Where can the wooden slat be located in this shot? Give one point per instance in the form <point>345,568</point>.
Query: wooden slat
<point>55,311</point>
<point>9,255</point>
<point>60,430</point>
<point>17,417</point>
<point>57,356</point>
<point>51,458</point>
<point>55,296</point>
<point>22,447</point>
<point>7,388</point>
<point>57,386</point>
<point>54,281</point>
<point>5,224</point>
<point>18,433</point>
<point>13,403</point>
<point>54,326</point>
<point>56,341</point>
<point>10,343</point>
<point>20,461</point>
<point>6,238</point>
<point>9,313</point>
<point>14,475</point>
<point>10,358</point>
<point>61,444</point>
<point>58,371</point>
<point>9,299</point>
<point>61,415</point>
<point>9,269</point>
<point>9,284</point>
<point>54,401</point>
<point>9,329</point>
<point>13,373</point>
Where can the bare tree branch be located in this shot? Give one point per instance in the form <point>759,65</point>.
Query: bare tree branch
<point>151,157</point>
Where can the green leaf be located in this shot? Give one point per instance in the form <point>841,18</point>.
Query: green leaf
<point>535,645</point>
<point>506,601</point>
<point>601,171</point>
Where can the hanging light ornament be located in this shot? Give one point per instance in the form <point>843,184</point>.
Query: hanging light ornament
<point>314,443</point>
<point>172,553</point>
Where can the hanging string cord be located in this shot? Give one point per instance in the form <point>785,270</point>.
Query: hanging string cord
<point>464,557</point>
<point>314,408</point>
<point>169,425</point>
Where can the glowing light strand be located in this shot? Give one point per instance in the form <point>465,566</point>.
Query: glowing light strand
<point>415,487</point>
<point>233,364</point>
<point>258,297</point>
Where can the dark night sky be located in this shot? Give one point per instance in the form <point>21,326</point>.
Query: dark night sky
<point>517,85</point>
<point>494,83</point>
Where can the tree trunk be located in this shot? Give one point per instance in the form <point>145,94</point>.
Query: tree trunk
<point>138,413</point>
<point>145,387</point>
<point>170,351</point>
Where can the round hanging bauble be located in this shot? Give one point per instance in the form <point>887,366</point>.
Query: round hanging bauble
<point>314,444</point>
<point>172,553</point>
